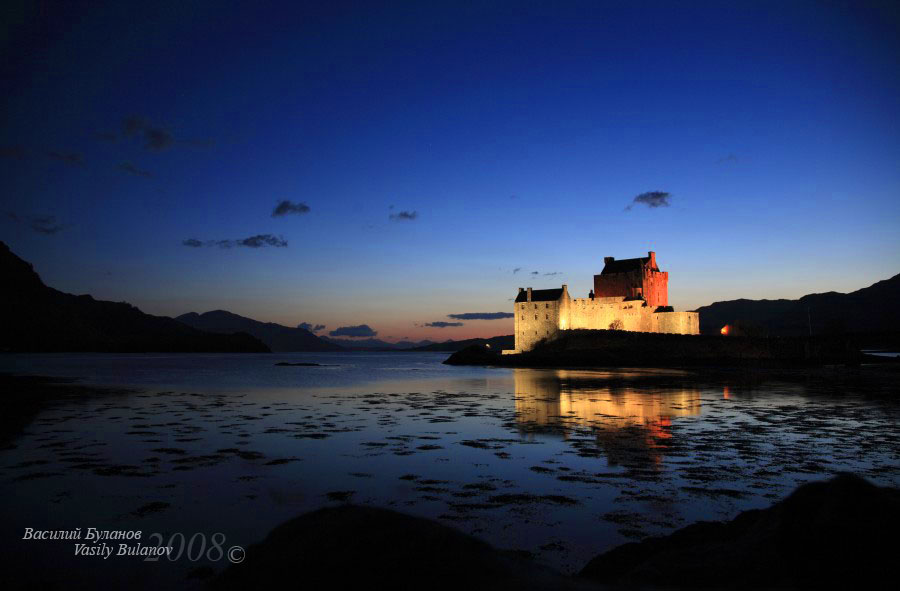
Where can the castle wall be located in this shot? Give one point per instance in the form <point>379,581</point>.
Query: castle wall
<point>536,321</point>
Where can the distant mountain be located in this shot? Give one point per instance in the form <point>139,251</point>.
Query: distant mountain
<point>495,343</point>
<point>873,309</point>
<point>376,344</point>
<point>279,338</point>
<point>37,318</point>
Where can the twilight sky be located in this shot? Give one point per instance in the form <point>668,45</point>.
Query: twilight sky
<point>436,156</point>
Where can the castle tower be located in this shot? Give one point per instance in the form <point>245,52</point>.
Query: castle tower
<point>633,279</point>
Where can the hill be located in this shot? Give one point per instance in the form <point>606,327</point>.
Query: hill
<point>277,337</point>
<point>375,344</point>
<point>37,318</point>
<point>494,343</point>
<point>872,309</point>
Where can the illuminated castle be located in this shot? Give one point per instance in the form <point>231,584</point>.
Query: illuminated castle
<point>631,294</point>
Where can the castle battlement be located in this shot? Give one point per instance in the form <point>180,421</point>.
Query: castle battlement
<point>630,294</point>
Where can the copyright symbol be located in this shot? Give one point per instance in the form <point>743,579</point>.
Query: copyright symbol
<point>236,554</point>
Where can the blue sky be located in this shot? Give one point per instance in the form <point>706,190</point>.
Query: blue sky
<point>517,132</point>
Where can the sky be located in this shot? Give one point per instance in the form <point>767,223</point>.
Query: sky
<point>391,164</point>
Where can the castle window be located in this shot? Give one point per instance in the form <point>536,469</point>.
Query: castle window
<point>548,316</point>
<point>535,316</point>
<point>546,305</point>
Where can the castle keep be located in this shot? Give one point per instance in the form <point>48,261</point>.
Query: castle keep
<point>630,294</point>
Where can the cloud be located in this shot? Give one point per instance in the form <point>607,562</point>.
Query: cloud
<point>257,241</point>
<point>552,274</point>
<point>535,272</point>
<point>310,327</point>
<point>13,152</point>
<point>155,138</point>
<point>362,330</point>
<point>481,315</point>
<point>651,199</point>
<point>516,270</point>
<point>72,158</point>
<point>42,224</point>
<point>442,324</point>
<point>286,207</point>
<point>132,169</point>
<point>404,216</point>
<point>727,159</point>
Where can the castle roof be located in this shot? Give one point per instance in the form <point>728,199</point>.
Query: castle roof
<point>540,295</point>
<point>624,265</point>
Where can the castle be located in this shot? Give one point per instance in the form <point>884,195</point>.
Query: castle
<point>630,294</point>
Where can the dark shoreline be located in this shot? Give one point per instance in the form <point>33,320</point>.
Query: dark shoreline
<point>609,348</point>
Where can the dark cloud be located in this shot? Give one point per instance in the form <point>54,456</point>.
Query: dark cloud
<point>286,207</point>
<point>481,315</point>
<point>535,272</point>
<point>404,216</point>
<point>516,270</point>
<point>132,169</point>
<point>727,159</point>
<point>651,199</point>
<point>442,324</point>
<point>155,138</point>
<point>363,330</point>
<point>258,241</point>
<point>311,327</point>
<point>42,224</point>
<point>552,274</point>
<point>14,152</point>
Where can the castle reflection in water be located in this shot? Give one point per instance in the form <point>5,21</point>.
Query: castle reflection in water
<point>601,415</point>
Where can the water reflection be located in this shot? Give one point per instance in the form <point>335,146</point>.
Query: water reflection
<point>630,426</point>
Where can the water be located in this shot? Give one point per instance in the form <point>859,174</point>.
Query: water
<point>563,464</point>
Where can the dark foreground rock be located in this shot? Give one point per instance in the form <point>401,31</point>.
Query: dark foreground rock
<point>353,547</point>
<point>835,534</point>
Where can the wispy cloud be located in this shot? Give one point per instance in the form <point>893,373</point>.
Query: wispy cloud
<point>403,216</point>
<point>132,169</point>
<point>651,199</point>
<point>287,207</point>
<point>155,137</point>
<point>311,327</point>
<point>442,324</point>
<point>727,159</point>
<point>71,158</point>
<point>481,315</point>
<point>552,274</point>
<point>516,270</point>
<point>13,152</point>
<point>535,272</point>
<point>361,330</point>
<point>257,241</point>
<point>42,224</point>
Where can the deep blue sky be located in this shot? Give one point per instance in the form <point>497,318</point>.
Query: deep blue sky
<point>518,132</point>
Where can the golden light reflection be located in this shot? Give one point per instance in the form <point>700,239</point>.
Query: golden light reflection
<point>630,425</point>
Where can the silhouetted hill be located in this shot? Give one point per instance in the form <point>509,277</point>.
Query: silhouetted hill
<point>495,343</point>
<point>872,309</point>
<point>375,344</point>
<point>37,318</point>
<point>277,337</point>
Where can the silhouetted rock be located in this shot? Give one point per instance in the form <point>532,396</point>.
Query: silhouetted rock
<point>494,343</point>
<point>351,547</point>
<point>37,318</point>
<point>475,355</point>
<point>834,534</point>
<point>279,338</point>
<point>872,309</point>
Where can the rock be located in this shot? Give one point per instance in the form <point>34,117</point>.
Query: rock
<point>353,547</point>
<point>840,532</point>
